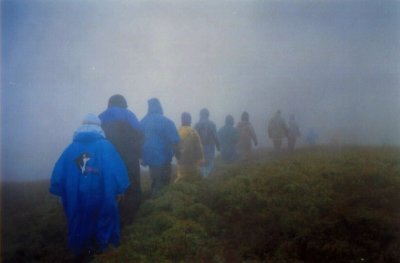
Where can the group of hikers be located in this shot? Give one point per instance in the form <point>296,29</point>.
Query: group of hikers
<point>98,174</point>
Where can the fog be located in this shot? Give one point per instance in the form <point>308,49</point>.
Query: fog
<point>334,64</point>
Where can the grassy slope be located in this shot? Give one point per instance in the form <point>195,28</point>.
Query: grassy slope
<point>319,205</point>
<point>33,224</point>
<point>313,206</point>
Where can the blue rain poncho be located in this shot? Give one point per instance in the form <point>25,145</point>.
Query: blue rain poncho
<point>88,176</point>
<point>160,136</point>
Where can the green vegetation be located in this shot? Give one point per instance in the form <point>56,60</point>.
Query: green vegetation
<point>316,205</point>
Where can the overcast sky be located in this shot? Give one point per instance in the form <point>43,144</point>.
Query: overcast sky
<point>334,64</point>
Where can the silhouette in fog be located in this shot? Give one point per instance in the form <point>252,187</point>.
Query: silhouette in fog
<point>209,139</point>
<point>277,130</point>
<point>228,137</point>
<point>90,177</point>
<point>160,145</point>
<point>191,151</point>
<point>124,131</point>
<point>311,137</point>
<point>246,136</point>
<point>293,132</point>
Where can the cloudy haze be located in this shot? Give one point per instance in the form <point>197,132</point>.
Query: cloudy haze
<point>334,64</point>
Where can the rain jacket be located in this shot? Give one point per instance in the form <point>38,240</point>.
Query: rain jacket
<point>277,128</point>
<point>191,151</point>
<point>123,129</point>
<point>160,136</point>
<point>246,135</point>
<point>209,139</point>
<point>228,137</point>
<point>191,154</point>
<point>88,176</point>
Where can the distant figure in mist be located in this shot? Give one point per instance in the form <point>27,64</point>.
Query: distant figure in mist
<point>277,130</point>
<point>191,151</point>
<point>311,137</point>
<point>246,136</point>
<point>90,177</point>
<point>160,144</point>
<point>209,139</point>
<point>124,131</point>
<point>293,133</point>
<point>228,137</point>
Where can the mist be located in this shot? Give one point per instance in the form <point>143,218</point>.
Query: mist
<point>334,64</point>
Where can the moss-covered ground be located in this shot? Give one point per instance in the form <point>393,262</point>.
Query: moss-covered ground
<point>313,205</point>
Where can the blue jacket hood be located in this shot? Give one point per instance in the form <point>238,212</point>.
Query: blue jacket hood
<point>154,106</point>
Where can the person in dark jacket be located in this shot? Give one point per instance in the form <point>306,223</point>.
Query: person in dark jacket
<point>209,139</point>
<point>122,128</point>
<point>160,144</point>
<point>228,137</point>
<point>90,177</point>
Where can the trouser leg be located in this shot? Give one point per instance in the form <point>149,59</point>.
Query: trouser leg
<point>160,176</point>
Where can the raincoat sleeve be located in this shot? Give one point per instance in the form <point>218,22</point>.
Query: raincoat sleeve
<point>214,130</point>
<point>198,146</point>
<point>57,177</point>
<point>133,121</point>
<point>253,135</point>
<point>172,133</point>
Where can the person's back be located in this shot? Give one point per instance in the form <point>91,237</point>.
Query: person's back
<point>209,140</point>
<point>124,131</point>
<point>207,132</point>
<point>293,133</point>
<point>277,130</point>
<point>88,177</point>
<point>160,144</point>
<point>191,151</point>
<point>246,136</point>
<point>228,137</point>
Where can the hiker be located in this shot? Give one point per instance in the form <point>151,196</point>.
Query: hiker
<point>293,133</point>
<point>228,137</point>
<point>277,130</point>
<point>160,144</point>
<point>246,136</point>
<point>311,137</point>
<point>123,130</point>
<point>90,178</point>
<point>208,135</point>
<point>191,151</point>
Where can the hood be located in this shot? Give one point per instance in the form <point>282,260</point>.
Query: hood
<point>117,101</point>
<point>154,106</point>
<point>87,136</point>
<point>88,132</point>
<point>204,114</point>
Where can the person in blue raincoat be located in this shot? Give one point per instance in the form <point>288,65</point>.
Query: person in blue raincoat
<point>123,130</point>
<point>228,137</point>
<point>209,139</point>
<point>160,144</point>
<point>90,178</point>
